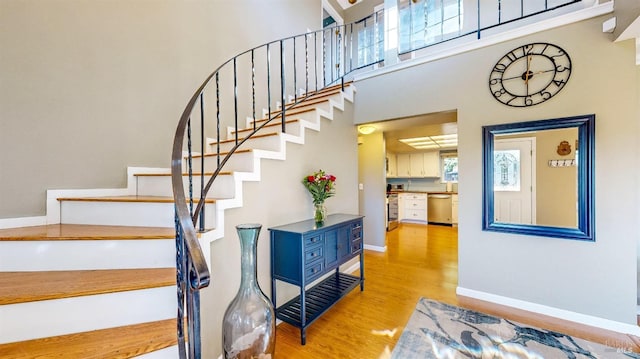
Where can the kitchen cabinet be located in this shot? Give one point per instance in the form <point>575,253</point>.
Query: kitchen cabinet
<point>424,164</point>
<point>412,207</point>
<point>403,165</point>
<point>454,209</point>
<point>392,167</point>
<point>431,163</point>
<point>303,252</point>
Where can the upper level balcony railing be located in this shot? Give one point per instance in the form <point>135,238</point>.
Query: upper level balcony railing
<point>424,23</point>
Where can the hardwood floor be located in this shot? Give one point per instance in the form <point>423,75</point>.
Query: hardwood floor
<point>421,261</point>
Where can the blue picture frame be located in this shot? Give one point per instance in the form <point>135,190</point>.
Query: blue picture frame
<point>585,230</point>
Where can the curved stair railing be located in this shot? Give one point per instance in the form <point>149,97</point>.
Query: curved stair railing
<point>277,76</point>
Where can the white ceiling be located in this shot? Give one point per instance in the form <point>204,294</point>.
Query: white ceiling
<point>433,124</point>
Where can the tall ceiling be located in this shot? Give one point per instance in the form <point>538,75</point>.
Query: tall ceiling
<point>433,124</point>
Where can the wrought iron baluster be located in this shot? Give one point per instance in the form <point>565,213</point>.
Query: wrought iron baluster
<point>351,48</point>
<point>253,87</point>
<point>282,84</point>
<point>315,53</point>
<point>324,58</point>
<point>202,151</point>
<point>331,56</point>
<point>235,97</point>
<point>479,20</point>
<point>218,119</point>
<point>180,281</point>
<point>306,65</point>
<point>193,312</point>
<point>295,77</point>
<point>268,83</point>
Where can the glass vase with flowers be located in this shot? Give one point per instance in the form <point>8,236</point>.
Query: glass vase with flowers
<point>321,186</point>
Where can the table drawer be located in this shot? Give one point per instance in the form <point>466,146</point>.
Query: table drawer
<point>356,246</point>
<point>312,254</point>
<point>356,231</point>
<point>313,269</point>
<point>310,241</point>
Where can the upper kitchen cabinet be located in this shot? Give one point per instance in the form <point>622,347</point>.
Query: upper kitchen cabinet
<point>431,164</point>
<point>392,167</point>
<point>404,165</point>
<point>423,164</point>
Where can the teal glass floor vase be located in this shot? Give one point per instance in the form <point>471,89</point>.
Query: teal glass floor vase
<point>248,326</point>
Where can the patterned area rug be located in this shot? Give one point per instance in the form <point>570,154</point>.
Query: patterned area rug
<point>438,330</point>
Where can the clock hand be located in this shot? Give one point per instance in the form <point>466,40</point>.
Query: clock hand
<point>524,76</point>
<point>541,72</point>
<point>527,74</point>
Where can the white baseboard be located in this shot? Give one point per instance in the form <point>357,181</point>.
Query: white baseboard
<point>23,222</point>
<point>375,248</point>
<point>551,311</point>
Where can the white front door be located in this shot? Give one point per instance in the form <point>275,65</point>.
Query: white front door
<point>513,175</point>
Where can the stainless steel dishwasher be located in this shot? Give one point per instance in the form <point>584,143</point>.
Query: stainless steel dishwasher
<point>439,208</point>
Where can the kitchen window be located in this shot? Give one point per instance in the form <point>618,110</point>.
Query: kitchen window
<point>449,163</point>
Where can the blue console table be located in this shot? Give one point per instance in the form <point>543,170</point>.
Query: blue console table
<point>303,252</point>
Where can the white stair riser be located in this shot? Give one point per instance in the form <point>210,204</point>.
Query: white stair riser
<point>270,143</point>
<point>239,162</point>
<point>47,318</point>
<point>223,186</point>
<point>145,214</point>
<point>16,256</point>
<point>291,128</point>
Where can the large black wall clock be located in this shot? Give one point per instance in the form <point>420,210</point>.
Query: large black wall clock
<point>530,74</point>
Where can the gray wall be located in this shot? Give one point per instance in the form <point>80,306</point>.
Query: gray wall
<point>88,88</point>
<point>372,175</point>
<point>597,279</point>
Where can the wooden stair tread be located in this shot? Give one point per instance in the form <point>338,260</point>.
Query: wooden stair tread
<point>133,198</point>
<point>273,124</point>
<point>313,99</point>
<point>294,111</point>
<point>21,287</point>
<point>54,232</point>
<point>223,153</point>
<point>330,89</point>
<point>120,342</point>
<point>260,135</point>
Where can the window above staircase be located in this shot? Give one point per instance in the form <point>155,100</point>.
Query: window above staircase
<point>418,31</point>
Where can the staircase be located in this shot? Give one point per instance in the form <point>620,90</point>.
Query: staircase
<point>102,283</point>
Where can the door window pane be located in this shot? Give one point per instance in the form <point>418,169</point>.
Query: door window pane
<point>506,170</point>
